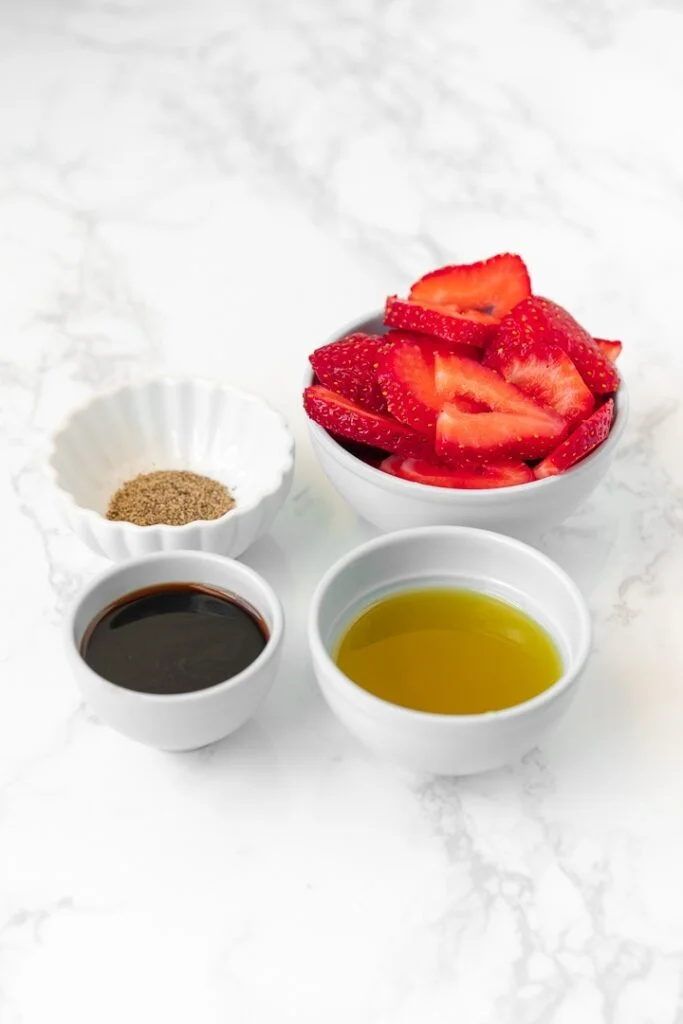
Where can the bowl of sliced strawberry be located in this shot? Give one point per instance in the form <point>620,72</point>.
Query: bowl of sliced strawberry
<point>472,402</point>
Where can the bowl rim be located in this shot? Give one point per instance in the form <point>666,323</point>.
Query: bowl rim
<point>400,538</point>
<point>456,494</point>
<point>273,643</point>
<point>175,380</point>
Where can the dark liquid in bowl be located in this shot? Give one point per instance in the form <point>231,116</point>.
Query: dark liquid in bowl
<point>174,638</point>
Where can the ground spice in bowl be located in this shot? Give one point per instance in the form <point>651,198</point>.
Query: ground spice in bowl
<point>172,497</point>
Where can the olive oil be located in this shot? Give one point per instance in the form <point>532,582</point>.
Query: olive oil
<point>455,652</point>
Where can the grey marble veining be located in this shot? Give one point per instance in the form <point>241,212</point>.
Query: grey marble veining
<point>212,188</point>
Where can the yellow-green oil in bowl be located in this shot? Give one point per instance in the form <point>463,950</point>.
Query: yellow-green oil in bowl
<point>449,651</point>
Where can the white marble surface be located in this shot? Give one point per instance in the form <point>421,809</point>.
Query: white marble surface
<point>211,187</point>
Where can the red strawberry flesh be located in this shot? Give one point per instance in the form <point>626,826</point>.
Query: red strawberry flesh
<point>544,373</point>
<point>453,327</point>
<point>490,287</point>
<point>406,377</point>
<point>465,438</point>
<point>585,439</point>
<point>432,343</point>
<point>461,378</point>
<point>344,418</point>
<point>422,471</point>
<point>538,319</point>
<point>610,349</point>
<point>349,368</point>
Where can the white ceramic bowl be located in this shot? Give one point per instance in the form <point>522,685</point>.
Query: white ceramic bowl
<point>182,721</point>
<point>470,559</point>
<point>521,511</point>
<point>209,428</point>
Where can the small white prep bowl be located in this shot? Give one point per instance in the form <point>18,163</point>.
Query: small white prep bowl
<point>469,559</point>
<point>179,721</point>
<point>525,510</point>
<point>209,428</point>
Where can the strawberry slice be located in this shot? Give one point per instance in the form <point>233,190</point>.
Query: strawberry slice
<point>406,377</point>
<point>537,319</point>
<point>464,438</point>
<point>610,349</point>
<point>456,377</point>
<point>349,367</point>
<point>490,287</point>
<point>434,344</point>
<point>544,373</point>
<point>444,324</point>
<point>347,419</point>
<point>470,314</point>
<point>591,433</point>
<point>488,475</point>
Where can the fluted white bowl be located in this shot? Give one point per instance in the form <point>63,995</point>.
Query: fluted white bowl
<point>162,424</point>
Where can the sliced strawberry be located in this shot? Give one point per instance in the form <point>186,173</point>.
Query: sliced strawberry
<point>456,377</point>
<point>465,404</point>
<point>491,287</point>
<point>421,471</point>
<point>471,314</point>
<point>463,438</point>
<point>610,349</point>
<point>537,319</point>
<point>349,367</point>
<point>411,316</point>
<point>347,419</point>
<point>391,465</point>
<point>436,344</point>
<point>406,377</point>
<point>587,436</point>
<point>544,373</point>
